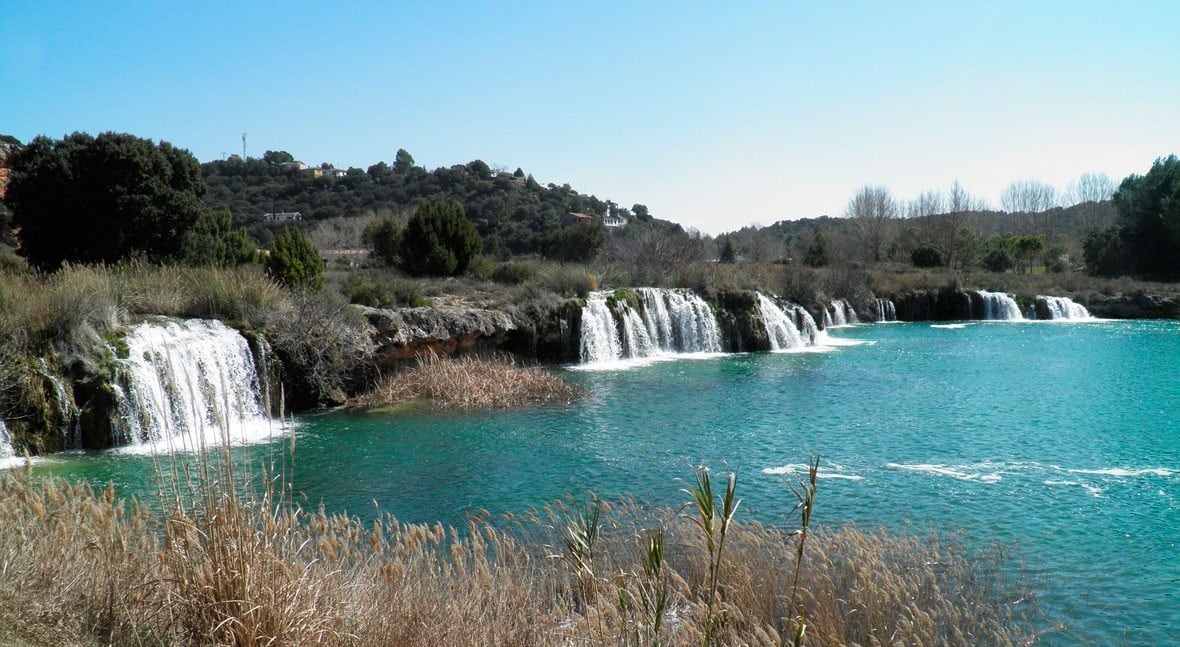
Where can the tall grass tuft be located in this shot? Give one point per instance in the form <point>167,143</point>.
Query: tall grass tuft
<point>714,524</point>
<point>804,493</point>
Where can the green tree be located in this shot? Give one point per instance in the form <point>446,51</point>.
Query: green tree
<point>728,255</point>
<point>1027,249</point>
<point>294,261</point>
<point>818,254</point>
<point>403,162</point>
<point>577,244</point>
<point>213,240</point>
<point>99,199</point>
<point>1149,219</point>
<point>997,260</point>
<point>438,241</point>
<point>384,239</point>
<point>277,157</point>
<point>926,256</point>
<point>1105,253</point>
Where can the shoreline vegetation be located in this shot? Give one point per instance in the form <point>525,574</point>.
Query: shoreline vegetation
<point>225,560</point>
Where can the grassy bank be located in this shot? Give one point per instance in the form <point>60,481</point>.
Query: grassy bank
<point>244,566</point>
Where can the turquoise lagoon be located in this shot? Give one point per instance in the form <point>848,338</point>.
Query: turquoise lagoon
<point>1057,440</point>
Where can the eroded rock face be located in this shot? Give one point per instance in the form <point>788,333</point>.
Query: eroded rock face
<point>1134,306</point>
<point>403,334</point>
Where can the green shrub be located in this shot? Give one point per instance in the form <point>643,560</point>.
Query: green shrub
<point>384,238</point>
<point>513,273</point>
<point>438,241</point>
<point>997,260</point>
<point>926,256</point>
<point>481,268</point>
<point>378,292</point>
<point>294,261</point>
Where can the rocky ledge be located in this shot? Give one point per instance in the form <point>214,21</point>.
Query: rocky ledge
<point>401,335</point>
<point>1134,306</point>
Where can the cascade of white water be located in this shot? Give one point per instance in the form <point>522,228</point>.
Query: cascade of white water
<point>850,313</point>
<point>886,311</point>
<point>669,321</point>
<point>1064,308</point>
<point>805,324</point>
<point>656,318</point>
<point>693,323</point>
<point>636,342</point>
<point>780,327</point>
<point>67,411</point>
<point>999,306</point>
<point>837,310</point>
<point>827,319</point>
<point>6,449</point>
<point>600,335</point>
<point>189,384</point>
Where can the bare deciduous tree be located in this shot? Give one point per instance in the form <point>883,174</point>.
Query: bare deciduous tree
<point>960,201</point>
<point>1090,187</point>
<point>872,210</point>
<point>1028,196</point>
<point>928,204</point>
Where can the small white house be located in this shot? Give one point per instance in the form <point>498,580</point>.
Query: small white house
<point>283,216</point>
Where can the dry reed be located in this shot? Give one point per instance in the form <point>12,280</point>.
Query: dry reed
<point>469,382</point>
<point>80,567</point>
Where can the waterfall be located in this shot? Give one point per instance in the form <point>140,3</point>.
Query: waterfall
<point>827,319</point>
<point>780,327</point>
<point>189,384</point>
<point>600,335</point>
<point>7,452</point>
<point>667,322</point>
<point>67,411</point>
<point>1064,308</point>
<point>691,320</point>
<point>999,306</point>
<point>842,314</point>
<point>805,324</point>
<point>886,311</point>
<point>636,341</point>
<point>838,318</point>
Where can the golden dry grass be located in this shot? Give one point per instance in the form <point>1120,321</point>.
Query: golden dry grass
<point>469,382</point>
<point>81,567</point>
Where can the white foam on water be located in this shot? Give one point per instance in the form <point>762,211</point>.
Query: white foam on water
<point>1120,472</point>
<point>825,471</point>
<point>1092,490</point>
<point>961,472</point>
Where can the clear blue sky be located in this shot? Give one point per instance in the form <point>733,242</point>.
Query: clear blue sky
<point>714,116</point>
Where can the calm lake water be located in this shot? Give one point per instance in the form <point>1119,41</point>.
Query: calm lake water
<point>1059,440</point>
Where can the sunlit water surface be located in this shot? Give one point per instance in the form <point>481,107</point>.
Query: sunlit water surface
<point>1059,440</point>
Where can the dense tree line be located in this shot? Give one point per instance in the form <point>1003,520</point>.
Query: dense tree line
<point>1145,240</point>
<point>86,199</point>
<point>877,228</point>
<point>511,212</point>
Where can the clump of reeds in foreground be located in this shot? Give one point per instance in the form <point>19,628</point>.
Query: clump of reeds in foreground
<point>469,382</point>
<point>240,565</point>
